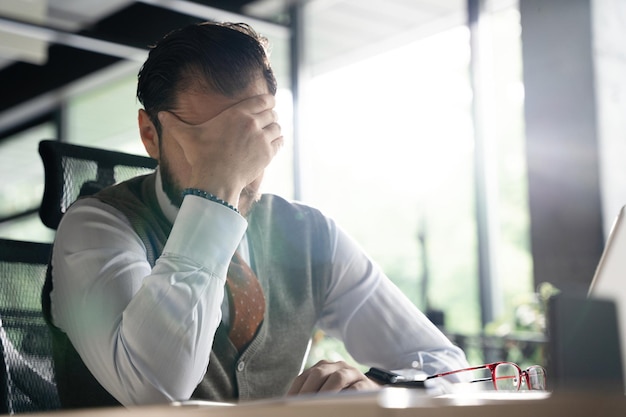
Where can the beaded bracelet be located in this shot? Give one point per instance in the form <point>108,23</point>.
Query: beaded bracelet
<point>208,196</point>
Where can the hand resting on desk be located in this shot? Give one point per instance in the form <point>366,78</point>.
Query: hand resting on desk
<point>327,376</point>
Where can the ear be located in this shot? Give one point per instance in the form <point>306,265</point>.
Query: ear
<point>149,135</point>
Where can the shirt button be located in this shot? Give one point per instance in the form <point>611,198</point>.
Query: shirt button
<point>240,366</point>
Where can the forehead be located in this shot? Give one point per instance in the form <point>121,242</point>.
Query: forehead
<point>198,104</point>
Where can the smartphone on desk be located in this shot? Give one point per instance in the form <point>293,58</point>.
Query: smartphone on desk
<point>385,377</point>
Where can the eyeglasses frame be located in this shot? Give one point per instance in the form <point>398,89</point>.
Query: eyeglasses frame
<point>524,374</point>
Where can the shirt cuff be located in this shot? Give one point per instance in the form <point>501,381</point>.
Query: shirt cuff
<point>207,233</point>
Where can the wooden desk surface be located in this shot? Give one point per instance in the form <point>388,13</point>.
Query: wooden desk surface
<point>388,403</point>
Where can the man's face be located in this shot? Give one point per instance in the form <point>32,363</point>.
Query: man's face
<point>196,106</point>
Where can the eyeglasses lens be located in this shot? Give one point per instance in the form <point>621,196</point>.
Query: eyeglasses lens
<point>507,377</point>
<point>536,378</point>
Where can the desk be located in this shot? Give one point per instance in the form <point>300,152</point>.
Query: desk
<point>393,402</point>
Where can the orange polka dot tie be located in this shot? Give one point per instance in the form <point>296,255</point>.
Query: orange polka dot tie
<point>246,302</point>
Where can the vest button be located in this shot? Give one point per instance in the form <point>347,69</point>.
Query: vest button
<point>240,366</point>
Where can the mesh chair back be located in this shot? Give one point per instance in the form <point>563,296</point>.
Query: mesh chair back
<point>72,171</point>
<point>27,376</point>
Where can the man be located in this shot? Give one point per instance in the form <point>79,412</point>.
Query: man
<point>136,295</point>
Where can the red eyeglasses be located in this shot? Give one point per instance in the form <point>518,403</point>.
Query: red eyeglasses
<point>507,376</point>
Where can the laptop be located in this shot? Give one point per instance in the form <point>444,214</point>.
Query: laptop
<point>587,331</point>
<point>609,281</point>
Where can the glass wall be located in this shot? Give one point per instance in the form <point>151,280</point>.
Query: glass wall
<point>106,117</point>
<point>391,159</point>
<point>389,153</point>
<point>514,259</point>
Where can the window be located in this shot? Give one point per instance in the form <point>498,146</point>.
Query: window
<point>106,117</point>
<point>389,152</point>
<point>21,189</point>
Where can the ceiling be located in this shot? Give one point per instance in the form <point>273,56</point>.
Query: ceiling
<point>46,45</point>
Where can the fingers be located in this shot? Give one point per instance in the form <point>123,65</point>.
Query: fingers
<point>264,119</point>
<point>258,110</point>
<point>273,134</point>
<point>258,104</point>
<point>183,133</point>
<point>170,121</point>
<point>267,123</point>
<point>260,113</point>
<point>254,114</point>
<point>177,128</point>
<point>331,377</point>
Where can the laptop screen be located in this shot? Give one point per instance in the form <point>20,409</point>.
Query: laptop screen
<point>609,281</point>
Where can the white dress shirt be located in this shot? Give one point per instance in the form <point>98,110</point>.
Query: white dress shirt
<point>146,333</point>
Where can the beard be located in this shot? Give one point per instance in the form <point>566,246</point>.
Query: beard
<point>249,196</point>
<point>171,188</point>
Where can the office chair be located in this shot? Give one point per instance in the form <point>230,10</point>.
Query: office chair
<point>26,367</point>
<point>72,171</point>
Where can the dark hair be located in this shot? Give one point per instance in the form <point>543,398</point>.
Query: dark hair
<point>225,57</point>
